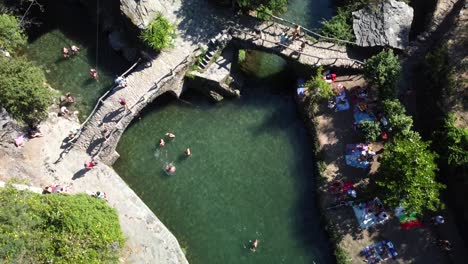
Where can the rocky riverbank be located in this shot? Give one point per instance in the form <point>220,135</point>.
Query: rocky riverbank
<point>147,239</point>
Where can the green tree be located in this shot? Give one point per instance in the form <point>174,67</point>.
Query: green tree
<point>318,87</point>
<point>407,174</point>
<point>264,7</point>
<point>370,130</point>
<point>12,36</point>
<point>57,228</point>
<point>23,92</point>
<point>159,34</point>
<point>339,26</point>
<point>399,122</point>
<point>383,71</point>
<point>455,142</point>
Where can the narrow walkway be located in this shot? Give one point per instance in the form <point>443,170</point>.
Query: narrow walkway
<point>314,53</point>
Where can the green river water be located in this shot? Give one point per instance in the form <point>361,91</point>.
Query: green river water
<point>250,174</point>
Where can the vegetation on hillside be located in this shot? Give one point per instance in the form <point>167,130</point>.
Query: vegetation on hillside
<point>339,26</point>
<point>159,34</point>
<point>383,71</point>
<point>407,174</point>
<point>370,130</point>
<point>398,122</point>
<point>12,36</point>
<point>23,92</point>
<point>57,228</point>
<point>455,143</point>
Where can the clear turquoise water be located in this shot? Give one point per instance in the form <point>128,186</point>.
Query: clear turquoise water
<point>249,176</point>
<point>309,13</point>
<point>59,28</point>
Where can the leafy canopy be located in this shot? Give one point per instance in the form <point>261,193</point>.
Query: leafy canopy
<point>456,142</point>
<point>383,71</point>
<point>318,86</point>
<point>339,26</point>
<point>23,92</point>
<point>265,8</point>
<point>159,33</point>
<point>57,228</point>
<point>408,170</point>
<point>399,122</point>
<point>12,36</point>
<point>370,130</point>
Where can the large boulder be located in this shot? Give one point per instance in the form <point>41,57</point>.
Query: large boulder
<point>142,12</point>
<point>386,24</point>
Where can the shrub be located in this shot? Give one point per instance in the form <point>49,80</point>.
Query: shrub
<point>23,92</point>
<point>455,141</point>
<point>339,26</point>
<point>399,122</point>
<point>342,257</point>
<point>264,8</point>
<point>241,56</point>
<point>383,71</point>
<point>370,130</point>
<point>159,33</point>
<point>12,36</point>
<point>407,174</point>
<point>318,86</point>
<point>57,228</point>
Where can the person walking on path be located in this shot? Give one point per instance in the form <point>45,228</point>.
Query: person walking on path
<point>123,103</point>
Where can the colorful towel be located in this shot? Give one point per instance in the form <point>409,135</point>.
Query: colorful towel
<point>379,251</point>
<point>342,103</point>
<point>410,224</point>
<point>360,116</point>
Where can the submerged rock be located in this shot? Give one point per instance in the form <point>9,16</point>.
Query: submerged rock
<point>386,24</point>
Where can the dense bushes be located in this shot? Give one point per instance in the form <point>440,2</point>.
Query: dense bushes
<point>339,26</point>
<point>57,228</point>
<point>317,86</point>
<point>455,139</point>
<point>264,7</point>
<point>159,34</point>
<point>383,71</point>
<point>399,122</point>
<point>23,92</point>
<point>11,34</point>
<point>370,130</point>
<point>408,171</point>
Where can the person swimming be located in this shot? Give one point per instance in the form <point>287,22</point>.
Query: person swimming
<point>162,143</point>
<point>93,73</point>
<point>170,168</point>
<point>254,245</point>
<point>170,135</point>
<point>187,152</point>
<point>66,53</point>
<point>75,49</point>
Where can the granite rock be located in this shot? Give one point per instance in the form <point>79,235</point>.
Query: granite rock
<point>386,24</point>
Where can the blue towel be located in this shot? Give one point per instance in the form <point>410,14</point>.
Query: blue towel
<point>342,106</point>
<point>360,116</point>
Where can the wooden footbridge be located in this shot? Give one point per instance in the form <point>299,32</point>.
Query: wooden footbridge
<point>101,132</point>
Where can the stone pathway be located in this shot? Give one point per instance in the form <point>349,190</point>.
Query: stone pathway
<point>315,54</point>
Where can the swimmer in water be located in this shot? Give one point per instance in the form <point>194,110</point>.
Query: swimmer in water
<point>187,152</point>
<point>65,53</point>
<point>170,168</point>
<point>170,135</point>
<point>162,143</point>
<point>254,245</point>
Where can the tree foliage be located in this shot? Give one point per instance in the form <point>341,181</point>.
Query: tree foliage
<point>264,7</point>
<point>455,142</point>
<point>339,26</point>
<point>383,71</point>
<point>57,228</point>
<point>12,36</point>
<point>23,92</point>
<point>408,170</point>
<point>159,33</point>
<point>399,122</point>
<point>318,87</point>
<point>370,130</point>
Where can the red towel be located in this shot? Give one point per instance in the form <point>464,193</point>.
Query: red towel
<point>410,224</point>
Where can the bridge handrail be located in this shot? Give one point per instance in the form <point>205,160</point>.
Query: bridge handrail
<point>287,47</point>
<point>312,32</point>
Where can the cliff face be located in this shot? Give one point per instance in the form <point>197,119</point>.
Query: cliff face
<point>387,24</point>
<point>141,12</point>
